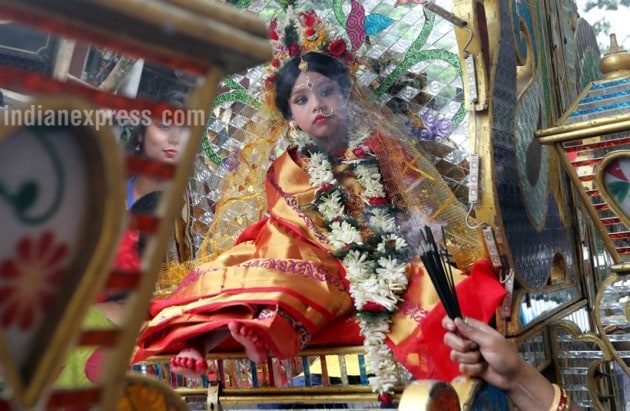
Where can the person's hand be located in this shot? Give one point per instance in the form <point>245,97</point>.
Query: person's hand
<point>482,352</point>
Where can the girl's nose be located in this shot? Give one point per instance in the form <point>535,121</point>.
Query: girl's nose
<point>318,104</point>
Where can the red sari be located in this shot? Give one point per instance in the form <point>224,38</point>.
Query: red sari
<point>282,278</point>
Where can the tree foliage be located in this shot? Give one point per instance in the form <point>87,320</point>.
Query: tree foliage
<point>605,4</point>
<point>602,26</point>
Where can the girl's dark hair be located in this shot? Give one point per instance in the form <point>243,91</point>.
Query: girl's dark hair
<point>317,62</point>
<point>174,98</point>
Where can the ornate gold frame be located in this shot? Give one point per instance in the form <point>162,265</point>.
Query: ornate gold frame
<point>209,38</point>
<point>105,211</point>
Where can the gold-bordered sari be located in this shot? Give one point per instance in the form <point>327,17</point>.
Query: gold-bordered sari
<point>281,278</point>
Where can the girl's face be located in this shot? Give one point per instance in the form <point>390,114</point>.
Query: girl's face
<point>163,142</point>
<point>319,108</point>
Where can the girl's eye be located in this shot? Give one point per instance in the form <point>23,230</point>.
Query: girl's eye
<point>163,126</point>
<point>300,100</point>
<point>328,91</point>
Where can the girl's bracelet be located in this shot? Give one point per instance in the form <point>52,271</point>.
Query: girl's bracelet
<point>561,401</point>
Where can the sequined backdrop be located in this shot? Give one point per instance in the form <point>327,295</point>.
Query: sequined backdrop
<point>412,66</point>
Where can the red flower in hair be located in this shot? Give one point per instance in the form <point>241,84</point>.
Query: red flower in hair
<point>273,34</point>
<point>294,50</point>
<point>275,63</point>
<point>378,201</point>
<point>309,18</point>
<point>337,48</point>
<point>309,31</point>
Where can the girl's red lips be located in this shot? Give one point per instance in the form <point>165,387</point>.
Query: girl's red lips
<point>170,153</point>
<point>319,118</point>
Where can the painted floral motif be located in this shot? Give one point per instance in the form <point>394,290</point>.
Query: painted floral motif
<point>29,280</point>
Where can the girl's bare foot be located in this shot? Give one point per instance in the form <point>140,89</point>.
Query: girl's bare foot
<point>189,363</point>
<point>250,339</point>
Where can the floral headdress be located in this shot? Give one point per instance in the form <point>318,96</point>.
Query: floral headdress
<point>300,33</point>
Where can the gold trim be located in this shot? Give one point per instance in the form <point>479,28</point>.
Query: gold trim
<point>306,391</point>
<point>584,129</point>
<point>306,395</point>
<point>621,269</point>
<point>305,398</point>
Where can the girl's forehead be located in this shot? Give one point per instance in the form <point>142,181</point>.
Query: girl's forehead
<point>308,80</point>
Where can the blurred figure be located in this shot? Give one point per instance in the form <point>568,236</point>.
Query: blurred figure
<point>158,141</point>
<point>163,142</point>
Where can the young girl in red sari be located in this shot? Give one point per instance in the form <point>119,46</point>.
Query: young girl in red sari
<point>343,209</point>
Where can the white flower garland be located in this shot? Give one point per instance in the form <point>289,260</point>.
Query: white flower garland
<point>376,267</point>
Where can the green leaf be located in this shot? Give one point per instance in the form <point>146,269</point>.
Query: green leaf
<point>26,196</point>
